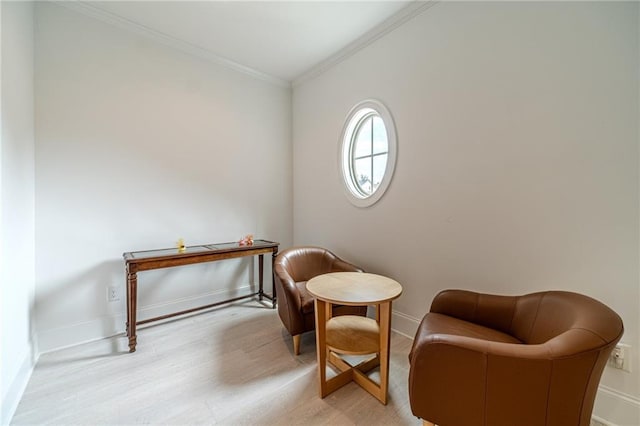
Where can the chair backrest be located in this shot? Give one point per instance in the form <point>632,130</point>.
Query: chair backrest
<point>540,317</point>
<point>304,263</point>
<point>534,318</point>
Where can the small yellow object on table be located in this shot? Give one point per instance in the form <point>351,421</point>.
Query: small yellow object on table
<point>180,245</point>
<point>350,334</point>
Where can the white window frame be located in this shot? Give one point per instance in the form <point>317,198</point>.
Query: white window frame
<point>345,153</point>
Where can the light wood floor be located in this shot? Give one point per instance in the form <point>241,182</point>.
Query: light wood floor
<point>230,366</point>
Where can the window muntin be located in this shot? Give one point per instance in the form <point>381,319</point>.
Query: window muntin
<point>369,153</point>
<point>367,156</point>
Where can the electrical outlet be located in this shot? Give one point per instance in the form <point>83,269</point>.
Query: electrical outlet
<point>112,294</point>
<point>620,357</point>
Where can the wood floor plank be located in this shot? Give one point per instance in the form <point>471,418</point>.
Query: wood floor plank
<point>231,366</point>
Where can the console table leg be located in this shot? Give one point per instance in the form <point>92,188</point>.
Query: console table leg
<point>126,325</point>
<point>260,275</point>
<point>132,301</point>
<point>274,296</point>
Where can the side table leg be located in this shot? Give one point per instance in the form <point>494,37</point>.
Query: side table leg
<point>385,340</point>
<point>321,344</point>
<point>132,302</point>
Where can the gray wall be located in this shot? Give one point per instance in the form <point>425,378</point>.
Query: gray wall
<point>138,145</point>
<point>517,161</point>
<point>16,203</point>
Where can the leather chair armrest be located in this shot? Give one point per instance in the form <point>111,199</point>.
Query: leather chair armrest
<point>290,290</point>
<point>447,369</point>
<point>289,301</point>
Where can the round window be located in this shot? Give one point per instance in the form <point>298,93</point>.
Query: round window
<point>368,152</point>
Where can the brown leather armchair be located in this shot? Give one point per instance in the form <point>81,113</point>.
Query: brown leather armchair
<point>487,360</point>
<point>292,269</point>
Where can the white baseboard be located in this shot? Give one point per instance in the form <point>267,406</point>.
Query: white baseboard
<point>16,389</point>
<point>404,324</point>
<point>615,408</point>
<point>612,408</point>
<point>114,324</point>
<point>597,421</point>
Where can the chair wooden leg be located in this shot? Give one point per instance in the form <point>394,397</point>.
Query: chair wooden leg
<point>426,423</point>
<point>296,344</point>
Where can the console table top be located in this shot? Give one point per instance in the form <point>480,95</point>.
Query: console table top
<point>198,249</point>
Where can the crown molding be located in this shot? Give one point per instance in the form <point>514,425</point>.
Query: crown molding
<point>414,9</point>
<point>404,15</point>
<point>92,11</point>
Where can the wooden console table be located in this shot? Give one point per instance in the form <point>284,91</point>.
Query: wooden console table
<point>138,261</point>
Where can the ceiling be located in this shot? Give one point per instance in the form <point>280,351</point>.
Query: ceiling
<point>283,39</point>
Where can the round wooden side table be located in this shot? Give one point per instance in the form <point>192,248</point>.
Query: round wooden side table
<point>350,334</point>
